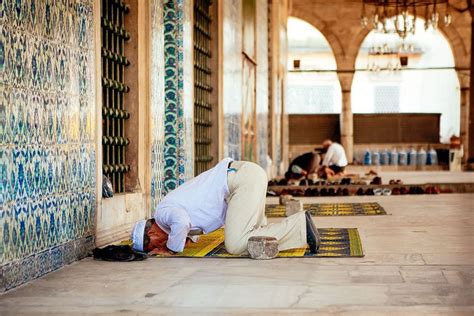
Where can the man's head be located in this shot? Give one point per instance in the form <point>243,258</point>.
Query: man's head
<point>147,235</point>
<point>326,144</point>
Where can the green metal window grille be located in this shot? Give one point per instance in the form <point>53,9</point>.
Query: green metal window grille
<point>202,87</point>
<point>114,114</point>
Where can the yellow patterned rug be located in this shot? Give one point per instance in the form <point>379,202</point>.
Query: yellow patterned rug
<point>331,209</point>
<point>335,242</point>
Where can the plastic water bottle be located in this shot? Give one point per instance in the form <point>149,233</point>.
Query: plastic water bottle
<point>421,157</point>
<point>384,157</point>
<point>402,157</point>
<point>432,157</point>
<point>367,157</point>
<point>375,157</point>
<point>394,157</point>
<point>412,157</point>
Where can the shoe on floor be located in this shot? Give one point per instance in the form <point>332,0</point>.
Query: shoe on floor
<point>312,235</point>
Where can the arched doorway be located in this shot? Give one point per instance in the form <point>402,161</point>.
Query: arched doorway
<point>416,75</point>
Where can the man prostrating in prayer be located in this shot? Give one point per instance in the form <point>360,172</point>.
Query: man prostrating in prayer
<point>232,193</point>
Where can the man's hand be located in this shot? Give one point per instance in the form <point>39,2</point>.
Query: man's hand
<point>163,251</point>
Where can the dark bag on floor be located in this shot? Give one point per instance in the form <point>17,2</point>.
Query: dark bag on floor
<point>118,253</point>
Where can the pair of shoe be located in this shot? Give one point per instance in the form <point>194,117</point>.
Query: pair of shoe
<point>312,235</point>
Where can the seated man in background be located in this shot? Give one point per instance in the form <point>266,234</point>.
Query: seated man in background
<point>335,160</point>
<point>232,193</point>
<point>303,166</point>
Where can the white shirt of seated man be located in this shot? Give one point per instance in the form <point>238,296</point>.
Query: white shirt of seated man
<point>335,156</point>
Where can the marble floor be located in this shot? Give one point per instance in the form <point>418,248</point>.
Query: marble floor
<point>419,260</point>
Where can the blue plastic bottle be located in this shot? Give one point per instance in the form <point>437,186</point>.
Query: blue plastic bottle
<point>421,157</point>
<point>375,157</point>
<point>394,157</point>
<point>402,157</point>
<point>412,157</point>
<point>384,157</point>
<point>432,157</point>
<point>367,157</point>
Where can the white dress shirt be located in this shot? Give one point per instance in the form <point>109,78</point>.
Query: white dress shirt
<point>197,204</point>
<point>335,156</point>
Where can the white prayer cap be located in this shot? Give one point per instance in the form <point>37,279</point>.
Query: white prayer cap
<point>137,235</point>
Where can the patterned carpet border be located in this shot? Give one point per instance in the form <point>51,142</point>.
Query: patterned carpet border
<point>335,243</point>
<point>331,209</point>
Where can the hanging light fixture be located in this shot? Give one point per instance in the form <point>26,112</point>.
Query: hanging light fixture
<point>399,16</point>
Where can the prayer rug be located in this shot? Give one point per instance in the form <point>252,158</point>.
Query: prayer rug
<point>331,209</point>
<point>335,242</point>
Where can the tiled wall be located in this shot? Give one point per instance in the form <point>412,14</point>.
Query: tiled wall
<point>47,151</point>
<point>171,96</point>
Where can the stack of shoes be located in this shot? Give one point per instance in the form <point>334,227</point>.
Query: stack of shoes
<point>297,192</point>
<point>369,192</point>
<point>282,182</point>
<point>345,192</point>
<point>403,191</point>
<point>432,190</point>
<point>376,181</point>
<point>346,181</point>
<point>339,192</point>
<point>308,192</point>
<point>360,191</point>
<point>396,191</point>
<point>323,192</point>
<point>331,192</point>
<point>416,190</point>
<point>272,183</point>
<point>314,192</point>
<point>378,191</point>
<point>386,192</point>
<point>398,181</point>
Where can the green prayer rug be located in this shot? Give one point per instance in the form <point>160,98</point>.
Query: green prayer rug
<point>335,242</point>
<point>330,209</point>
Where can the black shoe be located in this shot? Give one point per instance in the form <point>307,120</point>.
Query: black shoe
<point>122,253</point>
<point>312,235</point>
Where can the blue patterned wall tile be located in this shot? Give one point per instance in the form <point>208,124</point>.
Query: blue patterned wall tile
<point>19,61</point>
<point>35,16</point>
<point>5,54</point>
<point>5,113</point>
<point>35,64</point>
<point>4,11</point>
<point>47,60</point>
<point>18,16</point>
<point>6,216</point>
<point>5,175</point>
<point>18,176</point>
<point>36,208</point>
<point>47,150</point>
<point>18,117</point>
<point>49,19</point>
<point>62,74</point>
<point>35,118</point>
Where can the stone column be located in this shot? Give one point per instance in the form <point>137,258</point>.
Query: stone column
<point>346,117</point>
<point>464,84</point>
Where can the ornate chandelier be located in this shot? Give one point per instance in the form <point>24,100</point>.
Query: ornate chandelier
<point>399,16</point>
